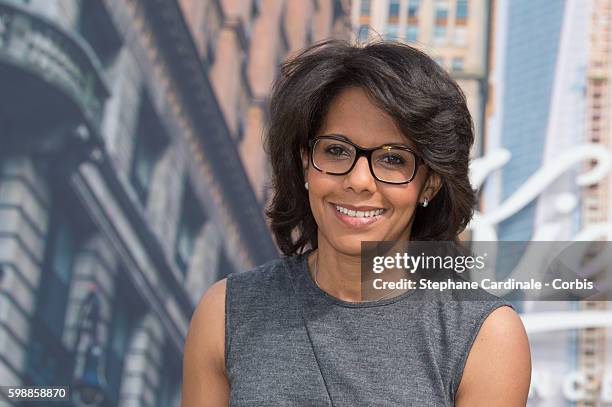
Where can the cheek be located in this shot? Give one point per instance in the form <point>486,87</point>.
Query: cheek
<point>404,198</point>
<point>320,190</point>
<point>323,186</point>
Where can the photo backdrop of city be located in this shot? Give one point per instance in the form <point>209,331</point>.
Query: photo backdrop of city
<point>132,174</point>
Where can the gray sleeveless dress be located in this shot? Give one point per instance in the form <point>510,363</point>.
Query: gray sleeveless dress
<point>289,343</point>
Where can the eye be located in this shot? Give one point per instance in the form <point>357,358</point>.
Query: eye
<point>335,150</point>
<point>393,160</point>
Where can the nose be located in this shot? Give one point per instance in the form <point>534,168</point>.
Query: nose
<point>360,178</point>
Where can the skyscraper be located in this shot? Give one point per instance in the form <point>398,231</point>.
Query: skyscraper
<point>547,108</point>
<point>453,32</point>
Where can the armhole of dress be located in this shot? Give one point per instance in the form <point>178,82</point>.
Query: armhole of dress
<point>470,342</point>
<point>228,321</point>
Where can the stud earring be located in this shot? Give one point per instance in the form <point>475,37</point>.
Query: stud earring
<point>425,203</point>
<point>306,185</point>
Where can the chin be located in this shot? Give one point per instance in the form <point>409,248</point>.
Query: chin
<point>350,245</point>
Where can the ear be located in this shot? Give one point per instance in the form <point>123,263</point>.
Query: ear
<point>431,187</point>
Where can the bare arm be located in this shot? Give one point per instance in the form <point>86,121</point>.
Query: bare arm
<point>204,379</point>
<point>497,372</point>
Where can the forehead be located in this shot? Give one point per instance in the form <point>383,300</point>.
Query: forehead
<point>352,114</point>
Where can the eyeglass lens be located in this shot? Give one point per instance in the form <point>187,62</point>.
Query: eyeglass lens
<point>388,164</point>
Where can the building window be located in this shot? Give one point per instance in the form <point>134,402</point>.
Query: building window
<point>394,8</point>
<point>413,8</point>
<point>240,131</point>
<point>128,309</point>
<point>97,28</point>
<point>441,9</point>
<point>210,50</point>
<point>439,61</point>
<point>439,32</point>
<point>460,35</point>
<point>457,64</point>
<point>60,271</point>
<point>309,33</point>
<point>209,30</point>
<point>462,10</point>
<point>392,30</point>
<point>255,8</point>
<point>150,141</point>
<point>362,34</point>
<point>191,220</point>
<point>49,361</point>
<point>412,32</point>
<point>441,15</point>
<point>365,8</point>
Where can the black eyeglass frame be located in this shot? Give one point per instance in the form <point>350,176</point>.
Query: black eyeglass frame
<point>367,152</point>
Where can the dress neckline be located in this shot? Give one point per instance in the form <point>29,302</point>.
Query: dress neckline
<point>306,277</point>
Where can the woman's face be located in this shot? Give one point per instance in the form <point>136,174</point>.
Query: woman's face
<point>353,115</point>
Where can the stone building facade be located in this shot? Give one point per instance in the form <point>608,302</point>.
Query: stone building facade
<point>131,166</point>
<point>453,32</point>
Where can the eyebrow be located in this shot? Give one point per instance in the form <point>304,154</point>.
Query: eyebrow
<point>342,136</point>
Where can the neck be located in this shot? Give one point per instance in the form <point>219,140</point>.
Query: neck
<point>339,274</point>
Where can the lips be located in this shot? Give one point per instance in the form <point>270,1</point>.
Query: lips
<point>358,208</point>
<point>355,222</point>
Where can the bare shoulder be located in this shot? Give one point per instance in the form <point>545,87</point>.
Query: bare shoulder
<point>211,306</point>
<point>208,320</point>
<point>497,372</point>
<point>204,377</point>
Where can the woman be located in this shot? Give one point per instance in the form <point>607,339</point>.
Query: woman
<point>298,331</point>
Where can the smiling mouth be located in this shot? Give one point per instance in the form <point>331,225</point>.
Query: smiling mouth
<point>359,214</point>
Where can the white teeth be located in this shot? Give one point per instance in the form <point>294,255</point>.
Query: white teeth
<point>359,214</point>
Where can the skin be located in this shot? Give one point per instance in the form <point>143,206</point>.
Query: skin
<point>498,368</point>
<point>353,115</point>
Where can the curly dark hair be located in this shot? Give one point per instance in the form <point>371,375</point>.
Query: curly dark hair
<point>425,102</point>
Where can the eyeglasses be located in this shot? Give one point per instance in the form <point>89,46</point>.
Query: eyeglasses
<point>391,163</point>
